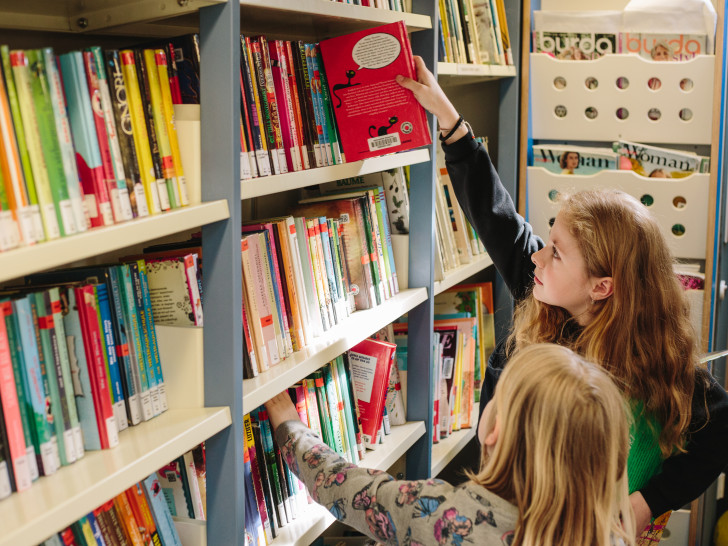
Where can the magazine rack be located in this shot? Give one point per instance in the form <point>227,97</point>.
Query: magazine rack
<point>623,91</point>
<point>679,204</point>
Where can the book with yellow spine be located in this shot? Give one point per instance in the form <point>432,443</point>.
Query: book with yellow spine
<point>139,129</point>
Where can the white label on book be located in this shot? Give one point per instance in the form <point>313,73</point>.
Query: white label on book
<point>141,200</point>
<point>53,230</point>
<point>5,489</point>
<point>47,458</point>
<point>317,155</point>
<point>327,157</point>
<point>263,162</point>
<point>282,160</point>
<point>115,204</point>
<point>251,162</point>
<point>55,454</point>
<point>67,217</point>
<point>184,197</point>
<point>273,352</point>
<point>383,142</point>
<point>306,161</point>
<point>112,433</point>
<point>147,411</point>
<point>363,370</point>
<point>91,207</point>
<point>135,409</point>
<point>120,415</point>
<point>107,216</point>
<point>156,206</point>
<point>37,223</point>
<point>245,172</point>
<point>154,393</point>
<point>162,396</point>
<point>163,195</point>
<point>125,204</point>
<point>27,226</point>
<point>274,160</point>
<point>177,200</point>
<point>78,441</point>
<point>8,231</point>
<point>296,158</point>
<point>69,445</point>
<point>32,462</point>
<point>447,366</point>
<point>22,474</point>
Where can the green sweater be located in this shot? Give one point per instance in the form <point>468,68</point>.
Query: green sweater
<point>645,458</point>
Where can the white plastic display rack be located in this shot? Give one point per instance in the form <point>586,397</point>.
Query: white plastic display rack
<point>561,97</point>
<point>675,202</point>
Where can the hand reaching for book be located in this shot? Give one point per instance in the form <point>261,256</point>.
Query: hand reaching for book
<point>432,98</point>
<point>280,409</point>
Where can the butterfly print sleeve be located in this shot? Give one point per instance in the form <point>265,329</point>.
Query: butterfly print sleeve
<point>387,510</point>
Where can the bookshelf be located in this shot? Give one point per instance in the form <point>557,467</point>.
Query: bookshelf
<point>207,395</point>
<point>445,450</point>
<point>463,272</point>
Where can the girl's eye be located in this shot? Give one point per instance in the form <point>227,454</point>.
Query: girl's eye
<point>556,253</point>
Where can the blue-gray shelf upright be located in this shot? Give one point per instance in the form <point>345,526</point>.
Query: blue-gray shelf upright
<point>223,345</point>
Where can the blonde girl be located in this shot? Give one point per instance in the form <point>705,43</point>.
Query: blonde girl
<point>553,469</point>
<point>602,285</point>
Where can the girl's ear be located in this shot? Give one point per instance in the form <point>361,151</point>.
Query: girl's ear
<point>492,437</point>
<point>602,288</point>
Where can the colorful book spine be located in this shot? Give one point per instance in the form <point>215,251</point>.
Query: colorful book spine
<point>330,121</point>
<point>154,346</point>
<point>160,511</point>
<point>252,101</point>
<point>314,419</point>
<point>279,70</point>
<point>283,507</point>
<point>31,222</point>
<point>167,188</point>
<point>122,118</point>
<point>318,106</point>
<point>252,310</point>
<point>337,301</point>
<point>11,413</point>
<point>256,66</point>
<point>52,299</point>
<point>168,109</point>
<point>256,478</point>
<point>319,275</point>
<point>308,115</point>
<point>296,102</point>
<point>272,291</point>
<point>65,140</point>
<point>21,74</point>
<point>156,200</point>
<point>108,135</point>
<point>334,413</point>
<point>88,155</point>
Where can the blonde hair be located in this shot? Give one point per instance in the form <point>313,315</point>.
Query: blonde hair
<point>561,452</point>
<point>642,333</point>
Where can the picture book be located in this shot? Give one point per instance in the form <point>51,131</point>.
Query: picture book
<point>374,113</point>
<point>655,162</point>
<point>564,159</point>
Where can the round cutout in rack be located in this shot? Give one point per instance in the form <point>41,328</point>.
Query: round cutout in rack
<point>647,200</point>
<point>622,113</point>
<point>559,82</point>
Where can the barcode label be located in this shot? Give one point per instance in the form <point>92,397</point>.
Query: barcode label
<point>384,141</point>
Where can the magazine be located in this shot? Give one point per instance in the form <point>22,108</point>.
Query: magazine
<point>576,35</point>
<point>656,162</point>
<point>563,159</point>
<point>664,47</point>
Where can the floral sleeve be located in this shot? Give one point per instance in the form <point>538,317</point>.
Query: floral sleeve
<point>371,501</point>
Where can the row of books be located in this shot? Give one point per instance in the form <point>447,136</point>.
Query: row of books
<point>474,31</point>
<point>305,273</point>
<point>644,159</point>
<point>138,515</point>
<point>393,5</point>
<point>79,363</point>
<point>582,35</point>
<point>87,139</point>
<point>457,243</point>
<point>463,338</point>
<point>184,486</point>
<point>345,403</point>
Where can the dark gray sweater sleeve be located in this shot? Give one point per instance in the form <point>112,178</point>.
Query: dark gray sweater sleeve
<point>507,237</point>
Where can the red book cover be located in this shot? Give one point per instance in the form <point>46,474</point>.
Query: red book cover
<point>89,316</point>
<point>370,362</point>
<point>375,115</point>
<point>289,132</point>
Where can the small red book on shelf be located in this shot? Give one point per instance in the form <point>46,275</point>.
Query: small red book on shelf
<point>374,114</point>
<point>370,362</point>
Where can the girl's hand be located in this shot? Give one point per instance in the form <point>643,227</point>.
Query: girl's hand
<point>642,512</point>
<point>280,408</point>
<point>429,94</point>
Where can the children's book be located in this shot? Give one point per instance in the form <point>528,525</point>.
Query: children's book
<point>374,113</point>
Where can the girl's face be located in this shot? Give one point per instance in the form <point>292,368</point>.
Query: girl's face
<point>560,277</point>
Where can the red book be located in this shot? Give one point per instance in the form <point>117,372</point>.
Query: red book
<point>289,131</point>
<point>370,362</point>
<point>91,331</point>
<point>11,413</point>
<point>375,115</point>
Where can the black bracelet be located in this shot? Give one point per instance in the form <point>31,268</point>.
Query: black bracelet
<point>458,123</point>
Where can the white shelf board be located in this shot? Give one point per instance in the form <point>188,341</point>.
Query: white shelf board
<point>445,450</point>
<point>459,274</point>
<point>282,182</point>
<point>461,73</point>
<point>338,339</point>
<point>30,259</point>
<point>319,18</point>
<point>316,519</point>
<point>55,502</point>
<point>65,15</point>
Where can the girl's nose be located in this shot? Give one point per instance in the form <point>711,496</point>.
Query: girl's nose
<point>536,258</point>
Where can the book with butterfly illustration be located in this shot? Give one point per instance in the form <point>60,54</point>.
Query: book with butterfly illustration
<point>374,114</point>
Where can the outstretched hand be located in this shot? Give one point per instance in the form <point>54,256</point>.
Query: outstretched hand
<point>430,95</point>
<point>280,409</point>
